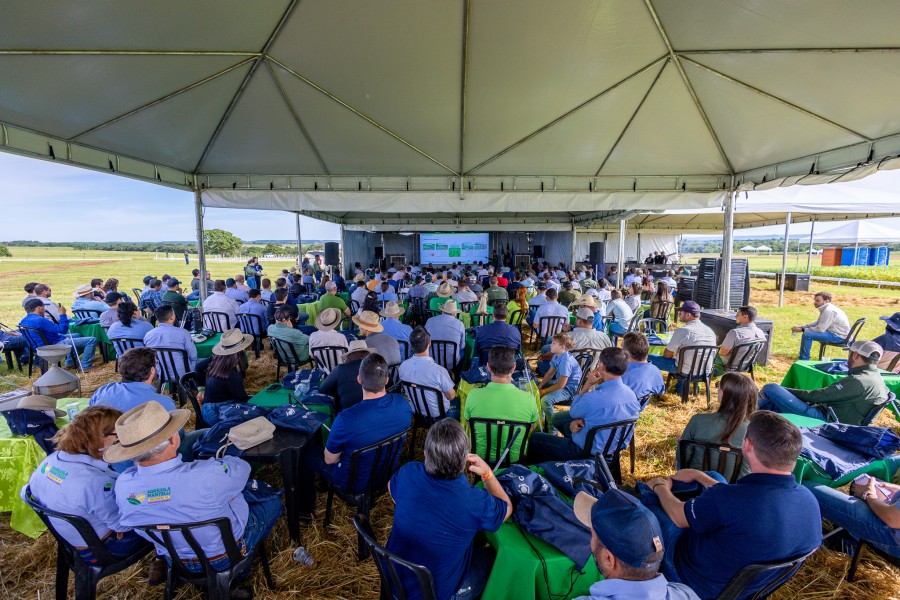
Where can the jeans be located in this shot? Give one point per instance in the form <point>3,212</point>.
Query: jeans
<point>856,517</point>
<point>669,365</point>
<point>85,347</point>
<point>543,447</point>
<point>476,577</point>
<point>119,545</point>
<point>251,283</point>
<point>558,397</point>
<point>453,412</point>
<point>616,329</point>
<point>18,346</point>
<point>815,336</point>
<point>776,398</point>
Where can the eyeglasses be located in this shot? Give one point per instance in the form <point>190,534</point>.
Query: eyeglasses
<point>111,433</point>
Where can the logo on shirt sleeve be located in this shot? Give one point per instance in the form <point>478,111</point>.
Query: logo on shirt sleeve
<point>108,486</point>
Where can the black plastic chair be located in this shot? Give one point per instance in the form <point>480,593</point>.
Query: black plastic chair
<point>385,459</point>
<point>892,366</point>
<point>415,313</point>
<point>661,311</point>
<point>253,324</point>
<point>423,413</point>
<point>354,307</point>
<point>481,319</point>
<point>873,413</point>
<point>586,358</point>
<point>700,369</point>
<point>446,354</point>
<point>86,576</point>
<point>327,357</point>
<point>171,364</point>
<point>497,432</point>
<point>548,326</point>
<point>861,547</point>
<point>137,295</point>
<point>846,342</point>
<point>743,356</point>
<point>515,319</point>
<point>217,583</point>
<point>620,433</point>
<point>712,452</point>
<point>498,302</point>
<point>736,588</point>
<point>86,313</point>
<point>404,349</point>
<point>190,388</point>
<point>467,306</point>
<point>123,345</point>
<point>32,336</point>
<point>285,356</point>
<point>217,321</point>
<point>390,566</point>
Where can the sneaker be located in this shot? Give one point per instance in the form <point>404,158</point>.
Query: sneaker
<point>158,571</point>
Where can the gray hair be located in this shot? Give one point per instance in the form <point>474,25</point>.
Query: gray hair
<point>330,286</point>
<point>152,453</point>
<point>446,449</point>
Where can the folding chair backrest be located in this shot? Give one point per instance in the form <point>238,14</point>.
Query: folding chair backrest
<point>854,331</point>
<point>137,295</point>
<point>655,325</point>
<point>515,318</point>
<point>445,353</point>
<point>620,434</point>
<point>171,364</point>
<point>327,357</point>
<point>122,345</point>
<point>743,356</point>
<point>190,388</point>
<point>783,571</point>
<point>419,396</point>
<point>696,361</point>
<point>252,324</point>
<point>498,436</point>
<point>84,313</point>
<point>217,321</point>
<point>390,566</point>
<point>548,326</point>
<point>285,353</point>
<point>723,459</point>
<point>467,306</point>
<point>497,302</point>
<point>381,458</point>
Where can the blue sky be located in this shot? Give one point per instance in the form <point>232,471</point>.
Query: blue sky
<point>41,197</point>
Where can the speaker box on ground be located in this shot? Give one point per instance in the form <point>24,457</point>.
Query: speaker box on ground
<point>539,251</point>
<point>332,254</point>
<point>379,252</point>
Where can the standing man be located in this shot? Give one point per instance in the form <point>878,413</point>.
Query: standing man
<point>832,326</point>
<point>250,274</point>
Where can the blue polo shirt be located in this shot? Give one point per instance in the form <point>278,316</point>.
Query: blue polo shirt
<point>760,518</point>
<point>609,402</point>
<point>363,424</point>
<point>497,333</point>
<point>439,539</point>
<point>124,396</point>
<point>566,366</point>
<point>643,379</point>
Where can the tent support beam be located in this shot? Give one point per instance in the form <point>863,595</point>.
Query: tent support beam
<point>727,249</point>
<point>687,83</point>
<point>620,260</point>
<point>812,229</point>
<point>201,247</point>
<point>784,253</point>
<point>462,94</point>
<point>297,119</point>
<point>873,50</point>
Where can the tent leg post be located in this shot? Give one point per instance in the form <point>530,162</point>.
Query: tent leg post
<point>620,262</point>
<point>572,265</point>
<point>201,249</point>
<point>784,253</point>
<point>727,250</point>
<point>812,229</point>
<point>299,243</point>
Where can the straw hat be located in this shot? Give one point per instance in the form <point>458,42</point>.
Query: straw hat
<point>359,277</point>
<point>368,320</point>
<point>39,403</point>
<point>586,300</point>
<point>449,307</point>
<point>232,342</point>
<point>143,428</point>
<point>356,346</point>
<point>444,290</point>
<point>328,319</point>
<point>392,310</point>
<point>82,290</point>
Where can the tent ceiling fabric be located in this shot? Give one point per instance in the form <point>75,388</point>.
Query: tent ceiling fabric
<point>656,97</point>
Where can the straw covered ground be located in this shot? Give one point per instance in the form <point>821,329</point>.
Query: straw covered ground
<point>27,566</point>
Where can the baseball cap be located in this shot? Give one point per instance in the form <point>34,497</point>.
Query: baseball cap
<point>624,525</point>
<point>690,307</point>
<point>568,284</point>
<point>173,282</point>
<point>542,286</point>
<point>147,279</point>
<point>585,314</point>
<point>867,349</point>
<point>113,297</point>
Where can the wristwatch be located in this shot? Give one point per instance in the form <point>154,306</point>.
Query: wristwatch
<point>866,495</point>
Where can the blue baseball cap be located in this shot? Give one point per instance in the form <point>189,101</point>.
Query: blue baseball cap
<point>625,526</point>
<point>690,307</point>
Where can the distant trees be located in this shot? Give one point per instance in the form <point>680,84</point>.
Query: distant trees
<point>221,242</point>
<point>4,251</point>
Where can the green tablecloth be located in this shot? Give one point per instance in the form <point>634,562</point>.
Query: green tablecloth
<point>803,375</point>
<point>465,388</point>
<point>19,457</point>
<point>518,572</point>
<point>204,349</point>
<point>193,303</point>
<point>808,470</point>
<point>92,330</point>
<point>654,349</point>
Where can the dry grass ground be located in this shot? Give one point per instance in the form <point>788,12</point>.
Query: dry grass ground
<point>27,566</point>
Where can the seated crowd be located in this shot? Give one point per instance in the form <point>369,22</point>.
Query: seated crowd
<point>401,338</point>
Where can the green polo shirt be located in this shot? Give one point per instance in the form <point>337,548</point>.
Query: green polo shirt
<point>179,304</point>
<point>853,397</point>
<point>501,401</point>
<point>332,301</point>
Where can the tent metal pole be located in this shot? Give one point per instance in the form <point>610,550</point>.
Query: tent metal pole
<point>809,251</point>
<point>727,250</point>
<point>342,266</point>
<point>784,253</point>
<point>299,243</point>
<point>201,249</point>
<point>572,264</point>
<point>639,253</point>
<point>620,262</point>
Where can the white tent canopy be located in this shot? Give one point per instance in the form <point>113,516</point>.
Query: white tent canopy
<point>749,249</point>
<point>858,232</point>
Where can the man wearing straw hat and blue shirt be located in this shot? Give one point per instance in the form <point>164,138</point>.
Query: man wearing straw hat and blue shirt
<point>84,300</point>
<point>446,327</point>
<point>392,325</point>
<point>161,489</point>
<point>372,330</point>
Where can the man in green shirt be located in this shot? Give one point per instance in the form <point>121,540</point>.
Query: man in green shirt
<point>495,292</point>
<point>501,400</point>
<point>283,329</point>
<point>851,397</point>
<point>174,298</point>
<point>331,300</point>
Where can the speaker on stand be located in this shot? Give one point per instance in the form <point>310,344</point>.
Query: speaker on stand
<point>332,256</point>
<point>598,259</point>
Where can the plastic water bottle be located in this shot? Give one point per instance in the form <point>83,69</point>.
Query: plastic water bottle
<point>303,557</point>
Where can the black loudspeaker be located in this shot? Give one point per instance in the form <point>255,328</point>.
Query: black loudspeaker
<point>598,251</point>
<point>332,254</point>
<point>538,251</point>
<point>379,252</point>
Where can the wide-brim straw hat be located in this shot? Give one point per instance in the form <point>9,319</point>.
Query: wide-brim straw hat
<point>143,428</point>
<point>392,310</point>
<point>232,342</point>
<point>449,307</point>
<point>368,320</point>
<point>356,346</point>
<point>359,277</point>
<point>38,403</point>
<point>586,300</point>
<point>444,290</point>
<point>82,290</point>
<point>328,319</point>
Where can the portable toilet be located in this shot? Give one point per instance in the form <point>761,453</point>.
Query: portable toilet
<point>879,256</point>
<point>852,257</point>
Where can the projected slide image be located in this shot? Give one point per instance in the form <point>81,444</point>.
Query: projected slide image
<point>446,248</point>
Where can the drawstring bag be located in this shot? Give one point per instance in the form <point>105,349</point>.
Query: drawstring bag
<point>293,379</point>
<point>297,418</point>
<point>211,442</point>
<point>247,435</point>
<point>240,410</point>
<point>573,476</point>
<point>837,367</point>
<point>37,424</point>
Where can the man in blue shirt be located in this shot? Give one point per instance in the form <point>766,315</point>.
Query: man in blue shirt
<point>57,333</point>
<point>394,328</point>
<point>232,291</point>
<point>84,300</point>
<point>765,516</point>
<point>641,376</point>
<point>446,327</point>
<point>137,368</point>
<point>422,370</point>
<point>610,402</point>
<point>152,297</point>
<point>254,307</point>
<point>496,333</point>
<point>418,290</point>
<point>166,335</point>
<point>437,514</point>
<point>378,416</point>
<point>551,308</point>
